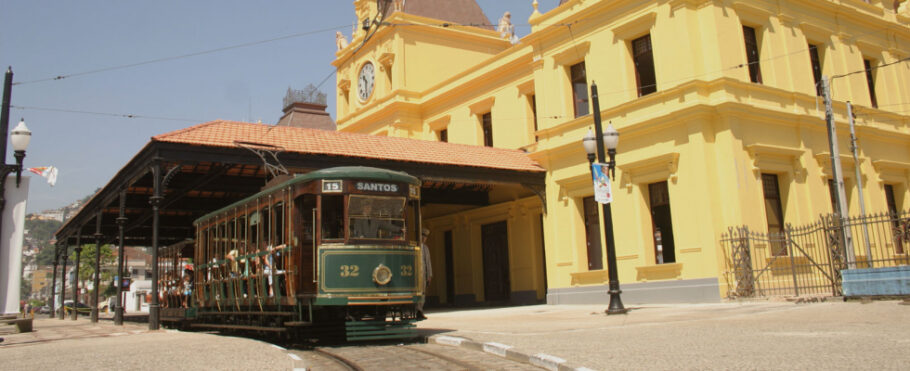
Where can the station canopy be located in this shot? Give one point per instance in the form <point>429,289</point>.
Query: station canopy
<point>211,165</point>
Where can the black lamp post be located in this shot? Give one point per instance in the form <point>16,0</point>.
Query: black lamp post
<point>20,136</point>
<point>594,143</point>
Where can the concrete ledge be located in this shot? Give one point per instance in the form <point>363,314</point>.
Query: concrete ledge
<point>22,324</point>
<point>694,291</point>
<point>506,351</point>
<point>886,281</point>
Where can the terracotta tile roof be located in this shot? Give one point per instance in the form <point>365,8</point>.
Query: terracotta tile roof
<point>222,133</point>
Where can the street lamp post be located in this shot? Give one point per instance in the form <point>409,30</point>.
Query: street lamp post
<point>20,137</point>
<point>595,142</point>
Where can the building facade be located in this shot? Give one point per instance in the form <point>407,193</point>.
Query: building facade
<point>721,124</point>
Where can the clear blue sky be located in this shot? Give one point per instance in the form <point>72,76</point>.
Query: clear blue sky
<point>43,39</point>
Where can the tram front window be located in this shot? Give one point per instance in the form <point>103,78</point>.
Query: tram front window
<point>377,217</point>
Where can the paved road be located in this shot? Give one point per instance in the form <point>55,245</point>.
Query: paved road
<point>750,335</point>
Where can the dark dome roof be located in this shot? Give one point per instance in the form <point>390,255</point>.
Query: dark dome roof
<point>465,12</point>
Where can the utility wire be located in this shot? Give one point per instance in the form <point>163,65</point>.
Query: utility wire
<point>871,68</point>
<point>121,115</point>
<point>182,56</point>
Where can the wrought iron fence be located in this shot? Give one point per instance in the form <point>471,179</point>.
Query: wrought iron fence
<point>807,260</point>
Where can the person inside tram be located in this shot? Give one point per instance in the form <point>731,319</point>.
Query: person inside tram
<point>233,264</point>
<point>369,226</point>
<point>187,287</point>
<point>269,261</point>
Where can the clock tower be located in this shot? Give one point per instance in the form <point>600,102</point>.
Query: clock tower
<point>399,51</point>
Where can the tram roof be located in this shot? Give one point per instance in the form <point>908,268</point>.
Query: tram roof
<point>340,172</point>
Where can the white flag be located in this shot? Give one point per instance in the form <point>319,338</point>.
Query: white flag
<point>48,172</point>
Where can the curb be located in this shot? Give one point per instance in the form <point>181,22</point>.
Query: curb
<point>546,361</point>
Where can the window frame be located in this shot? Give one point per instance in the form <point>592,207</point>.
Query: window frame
<point>578,78</point>
<point>592,226</point>
<point>815,62</point>
<point>645,69</point>
<point>753,53</point>
<point>870,81</point>
<point>486,127</point>
<point>778,206</point>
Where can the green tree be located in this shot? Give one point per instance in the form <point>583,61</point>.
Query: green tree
<point>45,256</point>
<point>25,289</point>
<point>42,230</point>
<point>87,264</point>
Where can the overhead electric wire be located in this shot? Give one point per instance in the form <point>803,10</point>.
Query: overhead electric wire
<point>367,38</point>
<point>121,115</point>
<point>182,56</point>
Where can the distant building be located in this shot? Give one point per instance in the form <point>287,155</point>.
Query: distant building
<point>138,263</point>
<point>41,281</point>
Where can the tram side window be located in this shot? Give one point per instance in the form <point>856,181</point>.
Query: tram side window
<point>255,219</point>
<point>303,217</point>
<point>332,217</point>
<point>219,252</point>
<point>376,217</point>
<point>241,235</point>
<point>413,206</point>
<point>266,223</point>
<point>231,235</point>
<point>278,223</point>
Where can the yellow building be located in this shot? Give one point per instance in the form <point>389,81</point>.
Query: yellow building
<point>716,103</point>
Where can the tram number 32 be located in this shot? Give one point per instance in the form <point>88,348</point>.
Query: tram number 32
<point>350,271</point>
<point>354,271</point>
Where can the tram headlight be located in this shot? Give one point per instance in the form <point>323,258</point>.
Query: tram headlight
<point>382,274</point>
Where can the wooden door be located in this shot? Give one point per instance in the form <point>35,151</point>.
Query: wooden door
<point>495,244</point>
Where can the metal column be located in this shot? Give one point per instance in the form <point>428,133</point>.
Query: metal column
<point>78,251</point>
<point>63,276</point>
<point>155,201</point>
<point>54,279</point>
<point>97,282</point>
<point>121,222</point>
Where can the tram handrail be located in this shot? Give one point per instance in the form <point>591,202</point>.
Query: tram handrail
<point>314,245</point>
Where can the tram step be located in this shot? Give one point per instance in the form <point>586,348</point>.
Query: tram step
<point>238,327</point>
<point>374,330</point>
<point>248,313</point>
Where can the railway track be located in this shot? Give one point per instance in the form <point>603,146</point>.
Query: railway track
<point>402,357</point>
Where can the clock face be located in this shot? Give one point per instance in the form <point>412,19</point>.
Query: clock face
<point>365,81</point>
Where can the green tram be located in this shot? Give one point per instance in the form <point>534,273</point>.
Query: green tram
<point>331,252</point>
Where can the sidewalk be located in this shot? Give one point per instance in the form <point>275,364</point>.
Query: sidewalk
<point>747,335</point>
<point>88,346</point>
<point>742,335</point>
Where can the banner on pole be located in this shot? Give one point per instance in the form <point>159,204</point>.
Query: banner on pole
<point>603,193</point>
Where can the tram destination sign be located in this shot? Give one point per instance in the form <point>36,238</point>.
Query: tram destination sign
<point>331,186</point>
<point>377,187</point>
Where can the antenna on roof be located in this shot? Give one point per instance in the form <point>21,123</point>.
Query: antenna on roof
<point>268,153</point>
